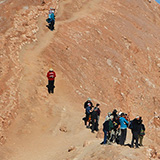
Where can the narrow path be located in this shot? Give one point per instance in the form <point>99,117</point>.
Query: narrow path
<point>36,128</point>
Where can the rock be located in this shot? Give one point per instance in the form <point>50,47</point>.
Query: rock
<point>85,143</point>
<point>71,148</point>
<point>63,129</point>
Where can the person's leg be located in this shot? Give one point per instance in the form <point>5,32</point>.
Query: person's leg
<point>132,142</point>
<point>125,135</point>
<point>105,137</point>
<point>51,86</point>
<point>136,138</point>
<point>49,90</point>
<point>122,137</point>
<point>140,140</point>
<point>93,125</point>
<point>113,138</point>
<point>52,89</point>
<point>52,25</point>
<point>86,119</point>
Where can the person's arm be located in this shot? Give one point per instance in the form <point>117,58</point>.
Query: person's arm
<point>54,74</point>
<point>126,121</point>
<point>143,127</point>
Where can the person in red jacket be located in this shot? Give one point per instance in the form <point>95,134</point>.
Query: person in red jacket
<point>51,77</point>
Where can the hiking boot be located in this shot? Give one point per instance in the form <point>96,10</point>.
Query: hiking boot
<point>87,126</point>
<point>102,143</point>
<point>132,146</point>
<point>137,147</point>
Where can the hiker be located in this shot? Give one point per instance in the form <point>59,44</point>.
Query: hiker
<point>105,130</point>
<point>136,129</point>
<point>51,78</point>
<point>87,103</point>
<point>88,114</point>
<point>114,113</point>
<point>51,19</point>
<point>94,119</point>
<point>123,127</point>
<point>111,127</point>
<point>108,115</point>
<point>107,126</point>
<point>98,112</point>
<point>142,133</point>
<point>126,116</point>
<point>116,129</point>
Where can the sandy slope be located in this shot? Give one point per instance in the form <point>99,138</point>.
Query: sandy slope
<point>35,133</point>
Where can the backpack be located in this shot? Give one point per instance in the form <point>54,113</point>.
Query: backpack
<point>130,125</point>
<point>142,133</point>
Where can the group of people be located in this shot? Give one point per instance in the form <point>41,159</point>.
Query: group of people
<point>92,115</point>
<point>115,125</point>
<point>51,19</point>
<point>115,129</point>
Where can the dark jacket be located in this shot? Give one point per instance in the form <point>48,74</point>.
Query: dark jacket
<point>94,115</point>
<point>136,125</point>
<point>106,126</point>
<point>98,111</point>
<point>114,116</point>
<point>110,125</point>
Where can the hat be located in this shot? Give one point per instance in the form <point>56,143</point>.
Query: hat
<point>115,111</point>
<point>50,69</point>
<point>109,114</point>
<point>89,99</point>
<point>107,118</point>
<point>137,117</point>
<point>119,113</point>
<point>122,114</point>
<point>111,117</point>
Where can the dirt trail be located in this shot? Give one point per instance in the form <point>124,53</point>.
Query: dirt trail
<point>35,133</point>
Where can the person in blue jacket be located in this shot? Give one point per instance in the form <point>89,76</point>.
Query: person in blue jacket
<point>123,126</point>
<point>51,20</point>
